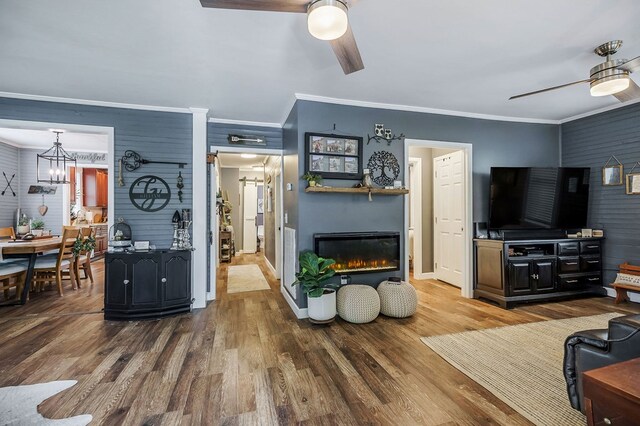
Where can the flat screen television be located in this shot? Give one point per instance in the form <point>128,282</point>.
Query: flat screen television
<point>539,197</point>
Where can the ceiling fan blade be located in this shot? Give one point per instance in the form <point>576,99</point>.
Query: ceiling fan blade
<point>630,93</point>
<point>347,52</point>
<point>299,6</point>
<point>549,89</point>
<point>632,65</point>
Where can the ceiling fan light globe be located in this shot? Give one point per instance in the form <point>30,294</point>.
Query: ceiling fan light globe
<point>327,19</point>
<point>609,86</point>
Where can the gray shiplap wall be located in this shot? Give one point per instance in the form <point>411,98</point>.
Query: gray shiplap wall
<point>162,136</point>
<point>29,203</point>
<point>589,142</point>
<point>9,160</point>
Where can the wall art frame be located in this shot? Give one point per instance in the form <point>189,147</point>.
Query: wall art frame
<point>633,181</point>
<point>612,173</point>
<point>333,156</point>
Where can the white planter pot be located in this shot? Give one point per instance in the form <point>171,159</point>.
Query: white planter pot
<point>37,232</point>
<point>24,229</point>
<point>322,309</point>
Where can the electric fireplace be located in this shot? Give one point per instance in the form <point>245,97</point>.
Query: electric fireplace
<point>360,252</point>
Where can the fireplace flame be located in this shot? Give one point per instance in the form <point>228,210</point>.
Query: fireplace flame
<point>362,265</point>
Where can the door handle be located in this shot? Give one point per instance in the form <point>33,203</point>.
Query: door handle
<point>164,280</point>
<point>126,282</point>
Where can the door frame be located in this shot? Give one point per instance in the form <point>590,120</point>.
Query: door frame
<point>225,149</point>
<point>467,286</point>
<point>415,185</point>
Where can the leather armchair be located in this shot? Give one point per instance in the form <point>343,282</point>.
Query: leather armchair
<point>590,349</point>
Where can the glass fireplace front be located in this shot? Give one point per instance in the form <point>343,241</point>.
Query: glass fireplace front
<point>360,252</point>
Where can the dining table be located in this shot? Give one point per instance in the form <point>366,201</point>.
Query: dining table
<point>29,250</point>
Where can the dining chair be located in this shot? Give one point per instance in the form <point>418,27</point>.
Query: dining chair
<point>7,232</point>
<point>83,261</point>
<point>49,268</point>
<point>12,275</point>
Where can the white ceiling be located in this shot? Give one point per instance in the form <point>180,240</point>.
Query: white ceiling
<point>42,139</point>
<point>460,55</point>
<point>235,161</point>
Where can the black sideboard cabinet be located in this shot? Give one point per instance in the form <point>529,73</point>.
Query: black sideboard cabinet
<point>147,285</point>
<point>520,271</point>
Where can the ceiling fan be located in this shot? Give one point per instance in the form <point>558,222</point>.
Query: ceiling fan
<point>326,20</point>
<point>608,78</point>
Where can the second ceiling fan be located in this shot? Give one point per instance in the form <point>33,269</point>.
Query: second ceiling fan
<point>326,20</point>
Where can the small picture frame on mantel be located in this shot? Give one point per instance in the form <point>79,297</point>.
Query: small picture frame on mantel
<point>612,173</point>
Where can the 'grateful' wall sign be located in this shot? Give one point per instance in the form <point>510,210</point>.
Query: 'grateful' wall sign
<point>149,193</point>
<point>89,157</point>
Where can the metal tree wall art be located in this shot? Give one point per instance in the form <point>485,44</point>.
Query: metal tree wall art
<point>384,168</point>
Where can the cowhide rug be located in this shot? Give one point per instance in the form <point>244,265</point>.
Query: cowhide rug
<point>19,404</point>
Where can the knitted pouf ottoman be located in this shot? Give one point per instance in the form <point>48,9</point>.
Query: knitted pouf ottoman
<point>358,303</point>
<point>398,300</point>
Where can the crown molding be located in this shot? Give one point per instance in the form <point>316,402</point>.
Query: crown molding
<point>245,123</point>
<point>599,111</point>
<point>409,108</point>
<point>43,98</point>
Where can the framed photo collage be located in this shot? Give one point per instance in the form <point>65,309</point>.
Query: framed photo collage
<point>333,156</point>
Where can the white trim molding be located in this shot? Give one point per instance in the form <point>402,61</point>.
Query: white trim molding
<point>200,196</point>
<point>43,98</point>
<point>245,123</point>
<point>300,313</point>
<point>410,108</point>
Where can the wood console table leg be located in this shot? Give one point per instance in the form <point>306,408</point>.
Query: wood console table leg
<point>621,295</point>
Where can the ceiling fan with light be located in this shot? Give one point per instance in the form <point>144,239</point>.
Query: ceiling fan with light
<point>608,78</point>
<point>326,20</point>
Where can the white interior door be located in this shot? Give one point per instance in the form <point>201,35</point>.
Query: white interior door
<point>213,233</point>
<point>249,212</point>
<point>449,220</point>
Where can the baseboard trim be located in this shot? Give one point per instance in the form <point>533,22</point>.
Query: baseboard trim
<point>633,297</point>
<point>271,268</point>
<point>424,276</point>
<point>300,313</point>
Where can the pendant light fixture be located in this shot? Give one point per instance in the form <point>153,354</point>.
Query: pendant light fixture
<point>327,19</point>
<point>52,164</point>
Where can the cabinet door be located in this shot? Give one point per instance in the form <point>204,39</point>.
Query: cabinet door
<point>176,281</point>
<point>89,187</point>
<point>144,282</point>
<point>116,282</point>
<point>519,278</point>
<point>102,188</point>
<point>545,275</point>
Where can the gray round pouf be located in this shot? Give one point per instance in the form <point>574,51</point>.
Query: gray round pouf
<point>358,303</point>
<point>398,300</point>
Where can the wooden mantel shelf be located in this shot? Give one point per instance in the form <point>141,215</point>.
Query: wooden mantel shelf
<point>380,191</point>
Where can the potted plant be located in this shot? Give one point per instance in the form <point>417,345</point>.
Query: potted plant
<point>321,295</point>
<point>37,226</point>
<point>23,225</point>
<point>312,179</point>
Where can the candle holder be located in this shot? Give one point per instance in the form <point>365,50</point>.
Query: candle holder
<point>176,243</point>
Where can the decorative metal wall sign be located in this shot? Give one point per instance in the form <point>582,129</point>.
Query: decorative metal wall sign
<point>8,186</point>
<point>382,134</point>
<point>39,189</point>
<point>89,157</point>
<point>149,193</point>
<point>132,161</point>
<point>246,140</point>
<point>384,168</point>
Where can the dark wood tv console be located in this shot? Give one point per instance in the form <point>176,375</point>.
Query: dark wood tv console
<point>519,271</point>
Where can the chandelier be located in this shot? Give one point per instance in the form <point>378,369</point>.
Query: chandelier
<point>52,164</point>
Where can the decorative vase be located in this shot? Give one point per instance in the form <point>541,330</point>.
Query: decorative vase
<point>322,310</point>
<point>23,229</point>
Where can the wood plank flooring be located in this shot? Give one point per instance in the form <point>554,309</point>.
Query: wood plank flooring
<point>246,359</point>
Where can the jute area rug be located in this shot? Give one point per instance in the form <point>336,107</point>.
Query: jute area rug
<point>520,364</point>
<point>19,405</point>
<point>246,278</point>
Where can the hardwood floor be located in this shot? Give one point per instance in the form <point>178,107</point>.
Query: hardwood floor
<point>246,359</point>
